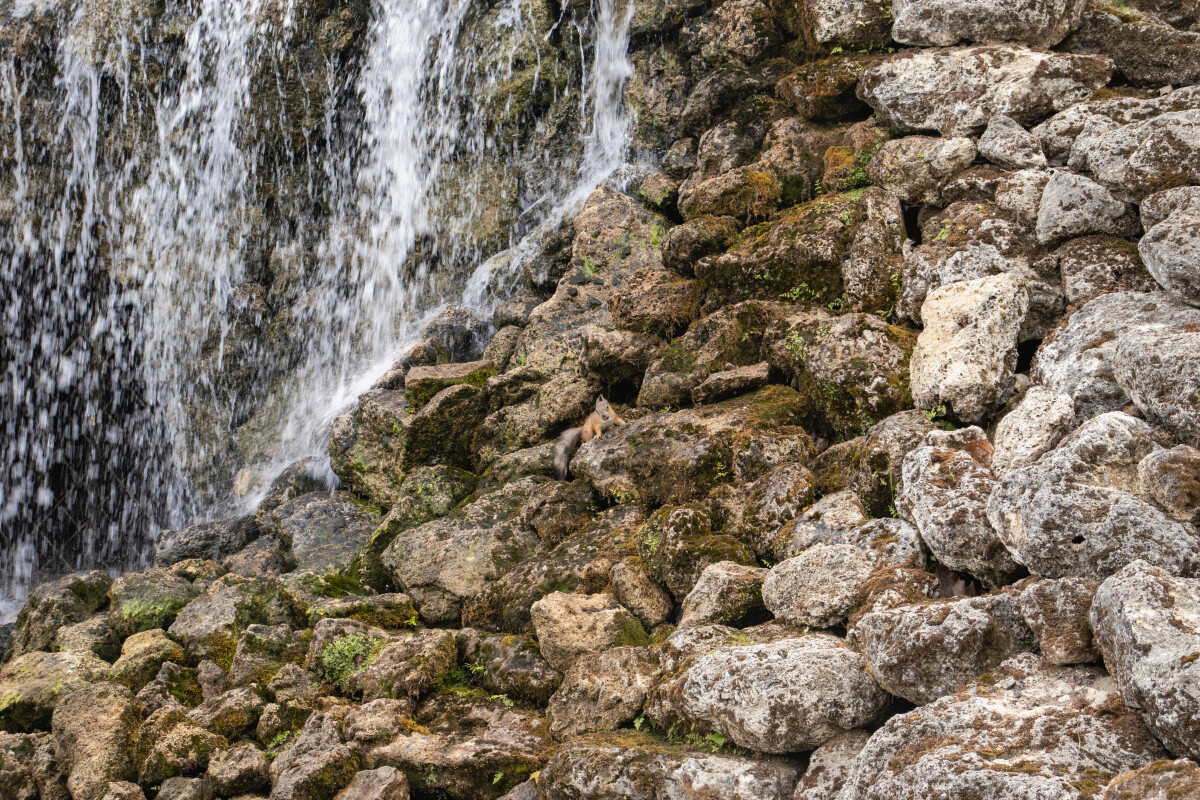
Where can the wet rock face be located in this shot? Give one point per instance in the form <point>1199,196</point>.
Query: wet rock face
<point>944,22</point>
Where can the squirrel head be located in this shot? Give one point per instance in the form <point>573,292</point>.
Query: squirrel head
<point>603,408</point>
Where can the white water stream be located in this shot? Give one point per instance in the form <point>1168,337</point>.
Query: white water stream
<point>132,323</point>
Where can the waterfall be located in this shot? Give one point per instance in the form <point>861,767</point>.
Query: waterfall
<point>234,227</point>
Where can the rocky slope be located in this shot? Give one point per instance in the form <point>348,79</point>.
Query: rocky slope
<point>905,328</point>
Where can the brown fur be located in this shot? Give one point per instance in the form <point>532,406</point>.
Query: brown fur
<point>598,422</point>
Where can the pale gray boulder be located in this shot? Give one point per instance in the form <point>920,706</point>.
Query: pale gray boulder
<point>1042,419</point>
<point>1009,146</point>
<point>938,23</point>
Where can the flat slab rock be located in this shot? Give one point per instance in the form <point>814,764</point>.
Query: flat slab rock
<point>631,766</point>
<point>1026,731</point>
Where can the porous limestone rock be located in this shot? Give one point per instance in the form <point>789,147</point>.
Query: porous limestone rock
<point>1159,370</point>
<point>819,587</point>
<point>1080,510</point>
<point>925,651</point>
<point>964,359</point>
<point>1009,146</point>
<point>1084,736</point>
<point>946,22</point>
<point>1162,780</point>
<point>727,593</point>
<point>1035,426</point>
<point>601,693</point>
<point>956,91</point>
<point>1057,612</point>
<point>1075,205</point>
<point>1147,626</point>
<point>570,626</point>
<point>95,730</point>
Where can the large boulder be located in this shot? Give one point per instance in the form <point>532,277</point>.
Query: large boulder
<point>56,604</point>
<point>945,494</point>
<point>1057,613</point>
<point>1025,730</point>
<point>215,540</point>
<point>819,587</point>
<point>602,693</point>
<point>509,665</point>
<point>626,766</point>
<point>1147,626</point>
<point>1170,250</point>
<point>914,168</point>
<point>1080,359</point>
<point>957,91</point>
<point>970,636</point>
<point>32,685</point>
<point>964,359</point>
<point>447,561</point>
<point>1160,372</point>
<point>1082,509</point>
<point>95,730</point>
<point>139,601</point>
<point>1145,51</point>
<point>670,458</point>
<point>1141,158</point>
<point>1162,780</point>
<point>170,745</point>
<point>572,626</point>
<point>319,763</point>
<point>830,765</point>
<point>781,696</point>
<point>948,22</point>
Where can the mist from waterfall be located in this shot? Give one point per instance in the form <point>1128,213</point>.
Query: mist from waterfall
<point>147,383</point>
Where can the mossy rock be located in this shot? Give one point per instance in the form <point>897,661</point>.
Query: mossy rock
<point>139,601</point>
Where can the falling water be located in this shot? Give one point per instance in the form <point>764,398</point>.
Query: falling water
<point>204,264</point>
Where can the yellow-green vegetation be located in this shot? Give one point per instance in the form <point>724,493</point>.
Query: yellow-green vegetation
<point>346,657</point>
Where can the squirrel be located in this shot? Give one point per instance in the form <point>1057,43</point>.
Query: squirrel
<point>598,422</point>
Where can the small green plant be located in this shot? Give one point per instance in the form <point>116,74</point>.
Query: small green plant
<point>477,667</point>
<point>639,722</point>
<point>277,744</point>
<point>800,291</point>
<point>503,698</point>
<point>342,659</point>
<point>939,410</point>
<point>499,776</point>
<point>658,232</point>
<point>589,268</point>
<point>411,621</point>
<point>797,347</point>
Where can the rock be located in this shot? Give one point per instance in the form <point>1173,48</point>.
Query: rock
<point>123,790</point>
<point>93,635</point>
<point>508,665</point>
<point>1140,158</point>
<point>570,626</point>
<point>186,789</point>
<point>1080,359</point>
<point>638,592</point>
<point>1092,478</point>
<point>957,91</point>
<point>1009,146</point>
<point>801,245</point>
<point>678,543</point>
<point>468,747</point>
<point>770,503</point>
<point>318,765</point>
<point>1157,370</point>
<point>410,666</point>
<point>1170,250</point>
<point>324,531</point>
<point>971,636</point>
<point>785,696</point>
<point>95,729</point>
<point>209,626</point>
<point>1083,736</point>
<point>744,30</point>
<point>964,359</point>
<point>29,767</point>
<point>56,604</point>
<point>731,383</point>
<point>828,520</point>
<point>1074,205</point>
<point>819,587</point>
<point>306,475</point>
<point>464,332</point>
<point>602,693</point>
<point>915,168</point>
<point>32,685</point>
<point>696,238</point>
<point>1161,780</point>
<point>230,713</point>
<point>747,193</point>
<point>387,610</point>
<point>142,656</point>
<point>1147,626</point>
<point>1093,265</point>
<point>835,24</point>
<point>830,765</point>
<point>1035,426</point>
<point>1157,207</point>
<point>945,493</point>
<point>215,540</point>
<point>1145,51</point>
<point>423,382</point>
<point>263,557</point>
<point>1172,479</point>
<point>727,593</point>
<point>169,745</point>
<point>1057,612</point>
<point>938,23</point>
<point>580,564</point>
<point>173,687</point>
<point>614,356</point>
<point>385,783</point>
<point>623,766</point>
<point>242,769</point>
<point>446,561</point>
<point>823,90</point>
<point>139,601</point>
<point>670,458</point>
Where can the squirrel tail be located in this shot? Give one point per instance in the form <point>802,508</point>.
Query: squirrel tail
<point>567,444</point>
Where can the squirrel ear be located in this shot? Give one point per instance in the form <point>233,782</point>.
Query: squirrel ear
<point>601,399</point>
